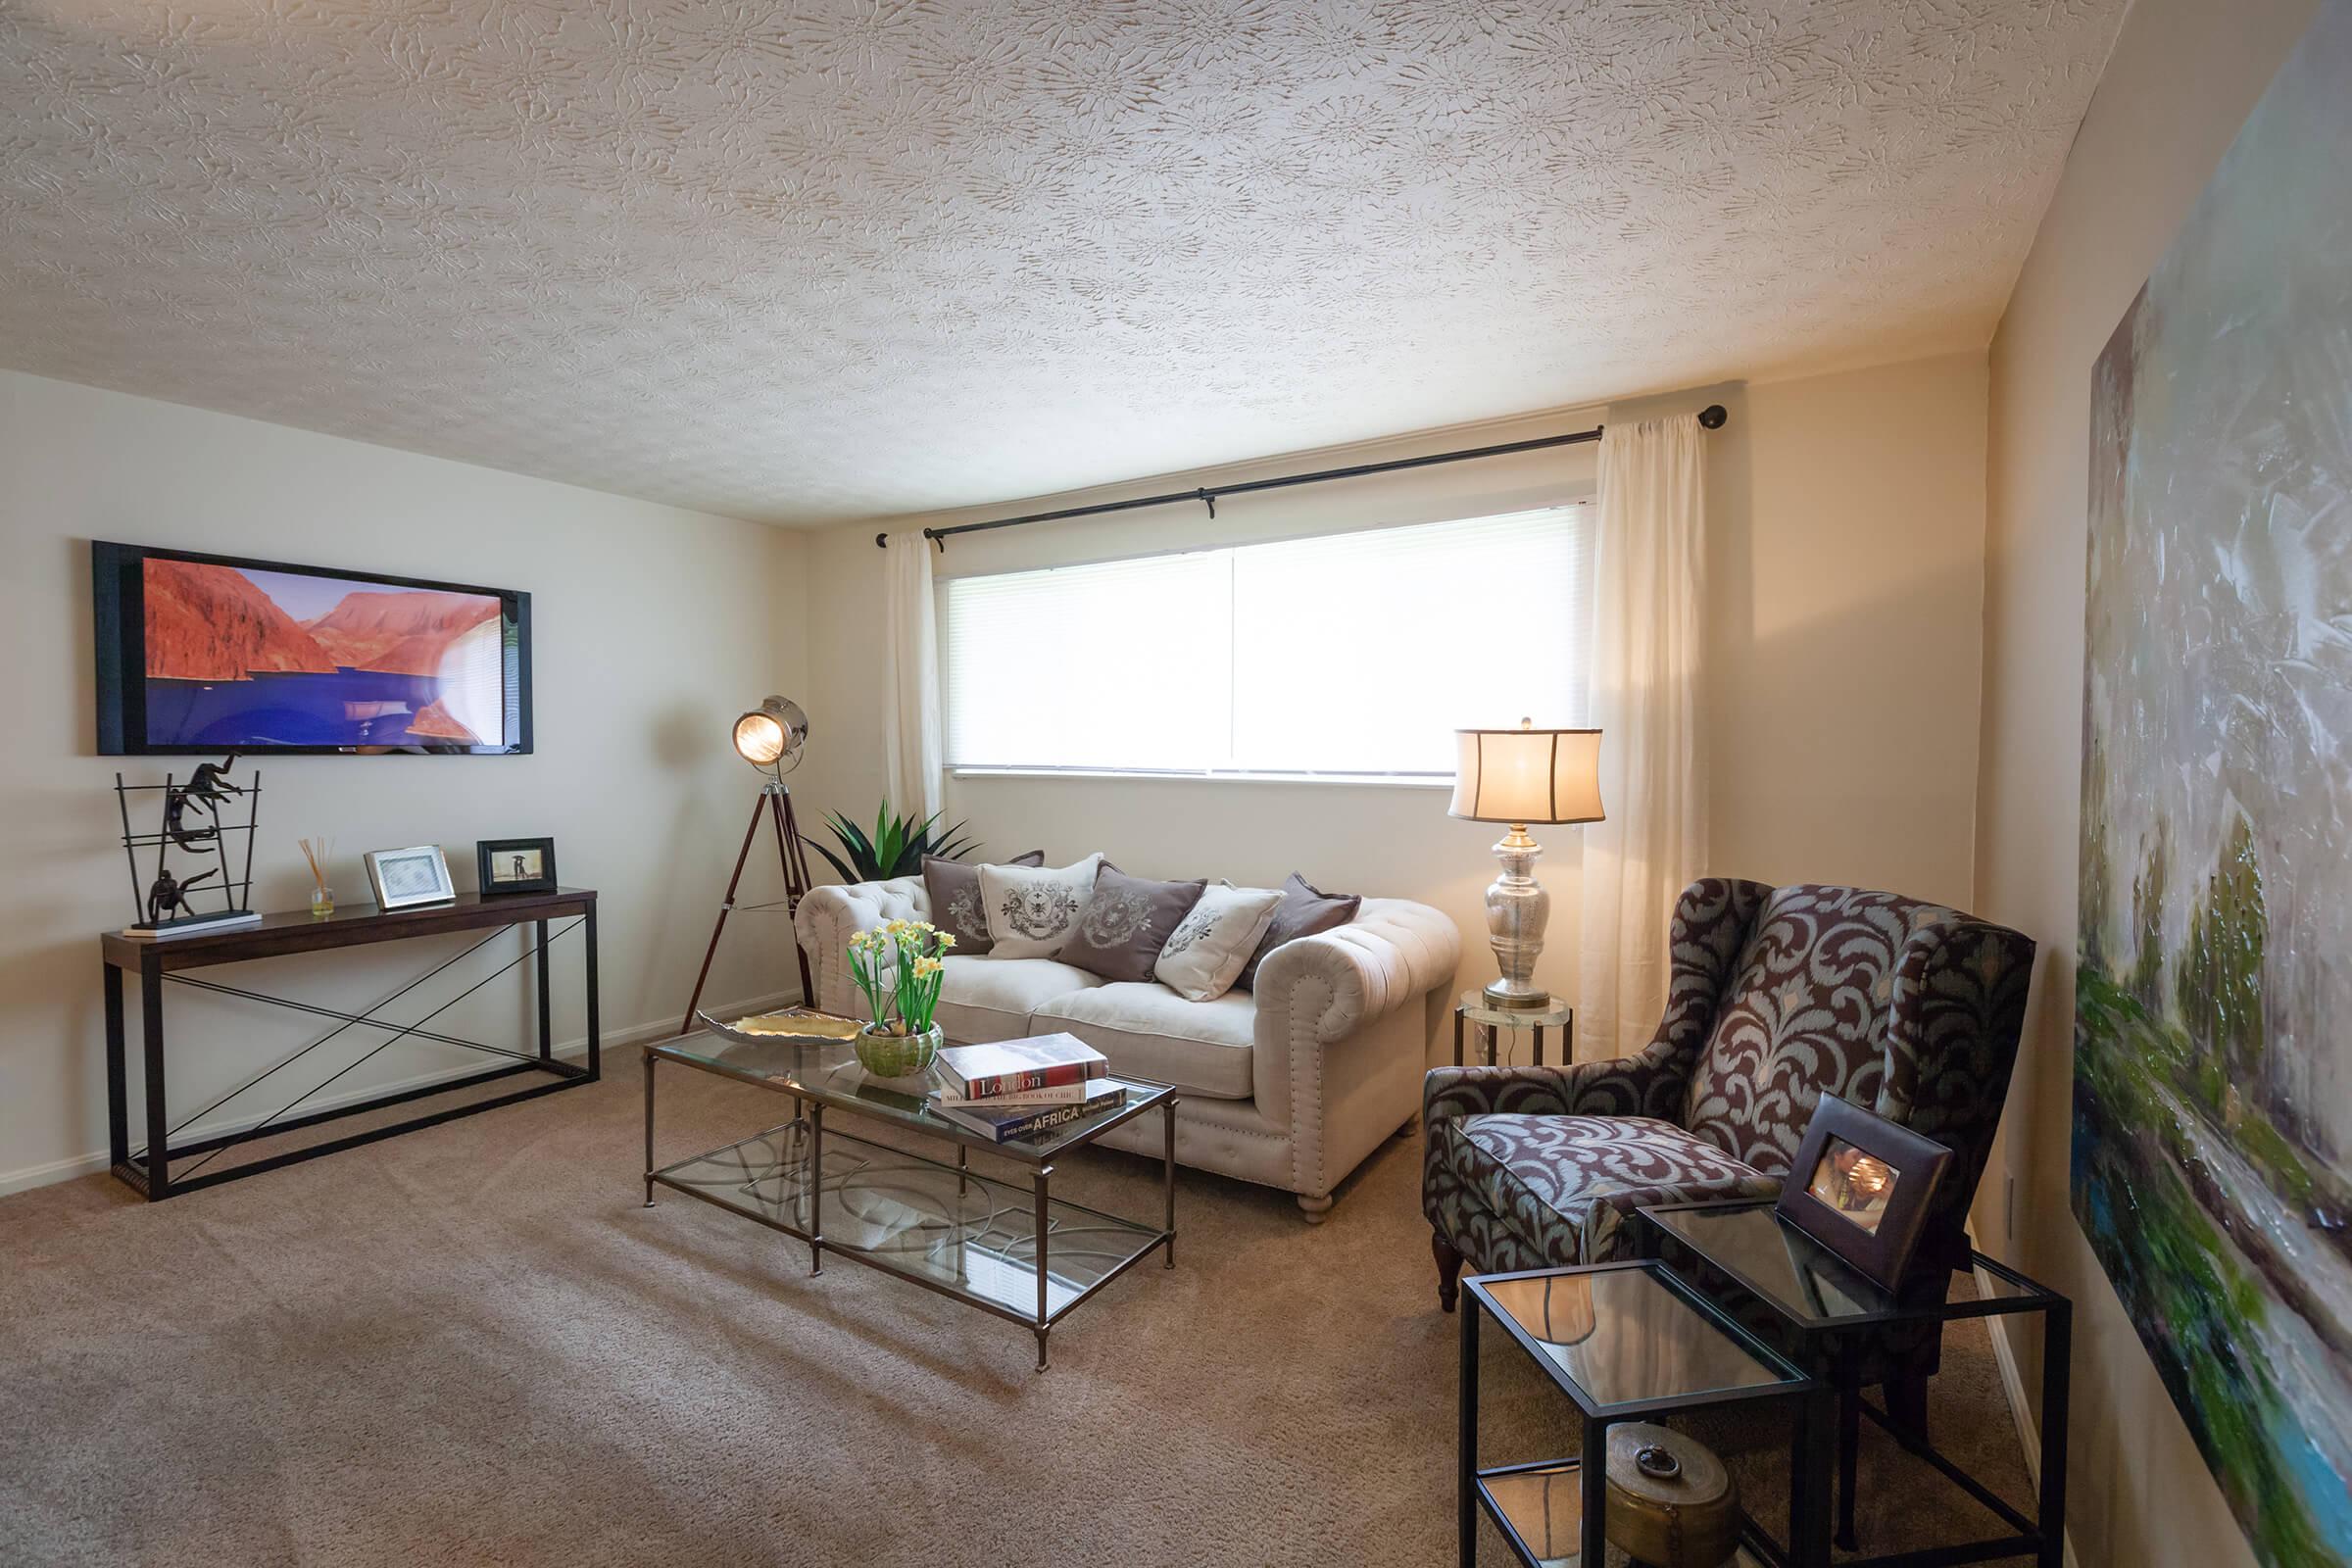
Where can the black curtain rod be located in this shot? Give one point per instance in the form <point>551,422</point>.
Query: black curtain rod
<point>1710,418</point>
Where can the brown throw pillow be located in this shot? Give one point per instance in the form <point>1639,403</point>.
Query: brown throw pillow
<point>1304,911</point>
<point>954,889</point>
<point>1126,923</point>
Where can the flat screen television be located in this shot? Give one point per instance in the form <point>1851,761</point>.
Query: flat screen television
<point>209,654</point>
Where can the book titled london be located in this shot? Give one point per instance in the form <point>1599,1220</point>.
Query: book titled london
<point>1027,1121</point>
<point>1018,1066</point>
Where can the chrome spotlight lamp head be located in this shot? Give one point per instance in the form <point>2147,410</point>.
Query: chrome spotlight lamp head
<point>770,737</point>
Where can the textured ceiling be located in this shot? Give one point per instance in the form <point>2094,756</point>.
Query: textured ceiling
<point>842,258</point>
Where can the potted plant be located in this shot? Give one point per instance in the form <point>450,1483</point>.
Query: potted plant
<point>899,966</point>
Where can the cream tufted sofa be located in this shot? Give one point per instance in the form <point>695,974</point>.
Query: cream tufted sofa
<point>1289,1086</point>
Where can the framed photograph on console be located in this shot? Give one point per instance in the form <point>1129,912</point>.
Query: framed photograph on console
<point>516,865</point>
<point>404,879</point>
<point>1860,1186</point>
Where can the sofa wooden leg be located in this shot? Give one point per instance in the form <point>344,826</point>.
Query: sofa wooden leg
<point>1314,1207</point>
<point>1450,1271</point>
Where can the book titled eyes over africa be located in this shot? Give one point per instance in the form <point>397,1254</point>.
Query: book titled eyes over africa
<point>1003,1123</point>
<point>1018,1066</point>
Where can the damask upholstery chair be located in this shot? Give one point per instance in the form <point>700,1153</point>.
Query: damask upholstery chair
<point>1778,995</point>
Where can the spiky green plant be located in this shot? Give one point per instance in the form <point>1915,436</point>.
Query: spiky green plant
<point>895,847</point>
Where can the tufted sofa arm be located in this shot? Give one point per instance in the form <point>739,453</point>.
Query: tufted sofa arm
<point>831,916</point>
<point>1326,987</point>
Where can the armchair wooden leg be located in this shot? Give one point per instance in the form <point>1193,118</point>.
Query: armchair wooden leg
<point>1450,1271</point>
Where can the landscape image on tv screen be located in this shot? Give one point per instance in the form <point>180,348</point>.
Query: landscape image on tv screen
<point>241,656</point>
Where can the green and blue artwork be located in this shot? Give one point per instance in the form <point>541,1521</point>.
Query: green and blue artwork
<point>2213,1088</point>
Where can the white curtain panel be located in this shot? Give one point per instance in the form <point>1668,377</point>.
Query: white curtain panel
<point>910,753</point>
<point>1648,599</point>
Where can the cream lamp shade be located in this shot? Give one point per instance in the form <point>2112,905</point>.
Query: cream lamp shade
<point>1527,775</point>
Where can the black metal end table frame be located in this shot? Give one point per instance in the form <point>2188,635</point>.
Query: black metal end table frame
<point>147,1168</point>
<point>1810,1424</point>
<point>806,1221</point>
<point>1836,1344</point>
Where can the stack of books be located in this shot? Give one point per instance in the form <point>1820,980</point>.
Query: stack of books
<point>1021,1088</point>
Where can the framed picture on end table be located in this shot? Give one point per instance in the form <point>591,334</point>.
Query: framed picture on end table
<point>1860,1186</point>
<point>516,865</point>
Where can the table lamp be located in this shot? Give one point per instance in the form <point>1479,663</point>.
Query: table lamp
<point>1518,776</point>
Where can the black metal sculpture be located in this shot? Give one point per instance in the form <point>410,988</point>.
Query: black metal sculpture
<point>162,898</point>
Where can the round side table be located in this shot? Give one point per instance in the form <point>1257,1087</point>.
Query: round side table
<point>1472,1010</point>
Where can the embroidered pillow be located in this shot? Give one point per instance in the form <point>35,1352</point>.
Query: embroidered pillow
<point>1033,911</point>
<point>1127,922</point>
<point>1304,911</point>
<point>954,889</point>
<point>1210,945</point>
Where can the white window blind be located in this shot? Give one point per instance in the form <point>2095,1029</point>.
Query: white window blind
<point>1352,653</point>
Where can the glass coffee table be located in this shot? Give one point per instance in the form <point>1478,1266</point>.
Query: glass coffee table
<point>1627,1341</point>
<point>1827,1314</point>
<point>1010,1249</point>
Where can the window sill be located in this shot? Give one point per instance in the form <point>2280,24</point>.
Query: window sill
<point>1394,781</point>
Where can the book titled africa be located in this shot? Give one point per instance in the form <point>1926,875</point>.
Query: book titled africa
<point>1028,1121</point>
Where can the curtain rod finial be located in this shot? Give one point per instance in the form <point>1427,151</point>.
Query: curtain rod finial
<point>881,541</point>
<point>1712,417</point>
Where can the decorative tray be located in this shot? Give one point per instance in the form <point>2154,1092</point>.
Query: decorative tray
<point>790,1023</point>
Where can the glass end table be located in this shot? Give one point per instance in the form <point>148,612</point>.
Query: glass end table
<point>1831,1312</point>
<point>1472,1010</point>
<point>1627,1341</point>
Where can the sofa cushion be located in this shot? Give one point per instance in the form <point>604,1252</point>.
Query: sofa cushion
<point>981,1000</point>
<point>1304,911</point>
<point>1569,1186</point>
<point>955,891</point>
<point>1212,943</point>
<point>1202,1048</point>
<point>1031,911</point>
<point>1126,923</point>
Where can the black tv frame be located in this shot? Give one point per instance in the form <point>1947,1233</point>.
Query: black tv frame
<point>118,590</point>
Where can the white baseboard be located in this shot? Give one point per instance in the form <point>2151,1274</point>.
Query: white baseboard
<point>60,1170</point>
<point>2013,1383</point>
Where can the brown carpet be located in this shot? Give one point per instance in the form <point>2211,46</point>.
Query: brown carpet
<point>472,1344</point>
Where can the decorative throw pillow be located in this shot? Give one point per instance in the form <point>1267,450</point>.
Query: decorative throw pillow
<point>1033,911</point>
<point>954,889</point>
<point>1127,922</point>
<point>1304,911</point>
<point>1210,945</point>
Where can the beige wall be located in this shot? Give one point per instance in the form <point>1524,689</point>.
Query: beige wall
<point>653,628</point>
<point>2180,82</point>
<point>1846,531</point>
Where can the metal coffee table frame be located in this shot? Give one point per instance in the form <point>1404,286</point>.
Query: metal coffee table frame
<point>1037,1159</point>
<point>1807,1399</point>
<point>1834,1343</point>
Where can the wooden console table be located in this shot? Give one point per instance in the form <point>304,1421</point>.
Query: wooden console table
<point>149,1168</point>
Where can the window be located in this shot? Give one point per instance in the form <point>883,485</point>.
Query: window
<point>1352,654</point>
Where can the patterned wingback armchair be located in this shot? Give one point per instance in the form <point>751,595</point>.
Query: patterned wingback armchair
<point>1778,995</point>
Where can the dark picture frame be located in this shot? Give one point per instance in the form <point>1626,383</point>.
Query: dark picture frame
<point>495,875</point>
<point>1861,1186</point>
<point>118,619</point>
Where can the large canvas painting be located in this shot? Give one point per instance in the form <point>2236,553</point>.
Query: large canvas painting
<point>2213,1060</point>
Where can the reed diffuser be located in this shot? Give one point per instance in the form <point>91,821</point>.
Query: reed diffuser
<point>320,852</point>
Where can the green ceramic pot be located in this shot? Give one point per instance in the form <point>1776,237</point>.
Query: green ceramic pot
<point>891,1056</point>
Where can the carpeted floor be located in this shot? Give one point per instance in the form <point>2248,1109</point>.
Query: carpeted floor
<point>472,1344</point>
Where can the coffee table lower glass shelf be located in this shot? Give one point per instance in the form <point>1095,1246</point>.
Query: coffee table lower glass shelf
<point>1006,1248</point>
<point>959,1232</point>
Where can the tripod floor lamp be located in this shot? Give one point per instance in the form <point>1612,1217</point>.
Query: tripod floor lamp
<point>770,737</point>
